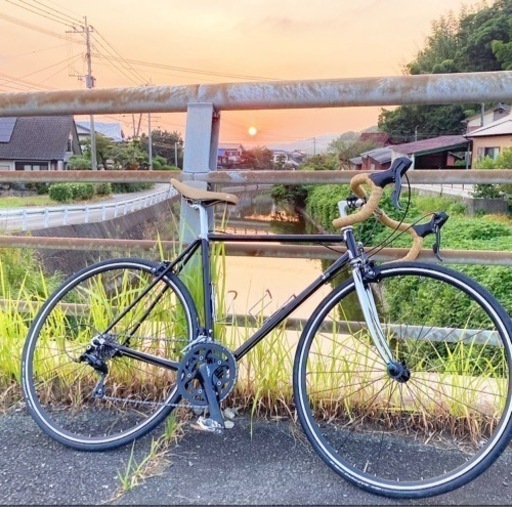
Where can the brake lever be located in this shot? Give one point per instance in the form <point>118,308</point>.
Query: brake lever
<point>433,227</point>
<point>392,175</point>
<point>400,170</point>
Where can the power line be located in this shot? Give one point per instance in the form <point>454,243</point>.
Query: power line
<point>79,16</point>
<point>60,13</point>
<point>50,66</point>
<point>119,56</point>
<point>51,17</point>
<point>35,28</point>
<point>61,69</point>
<point>41,50</point>
<point>122,70</point>
<point>193,70</point>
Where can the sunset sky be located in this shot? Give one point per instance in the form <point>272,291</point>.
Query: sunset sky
<point>166,42</point>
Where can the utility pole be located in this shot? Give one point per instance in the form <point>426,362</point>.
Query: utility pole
<point>89,83</point>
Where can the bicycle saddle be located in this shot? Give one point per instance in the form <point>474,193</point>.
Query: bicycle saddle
<point>205,196</point>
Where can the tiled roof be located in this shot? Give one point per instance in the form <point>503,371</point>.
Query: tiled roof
<point>381,155</point>
<point>430,145</point>
<point>38,138</point>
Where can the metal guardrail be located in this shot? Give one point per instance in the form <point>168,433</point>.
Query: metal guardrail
<point>473,87</point>
<point>79,213</point>
<point>248,177</point>
<point>243,178</point>
<point>204,102</point>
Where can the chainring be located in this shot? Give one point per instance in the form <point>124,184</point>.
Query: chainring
<point>216,356</point>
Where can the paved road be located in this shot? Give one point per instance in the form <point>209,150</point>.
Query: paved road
<point>115,205</point>
<point>268,463</point>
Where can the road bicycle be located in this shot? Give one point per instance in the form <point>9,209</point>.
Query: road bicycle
<point>401,377</point>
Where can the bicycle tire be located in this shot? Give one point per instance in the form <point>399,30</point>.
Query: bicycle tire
<point>439,424</point>
<point>59,387</point>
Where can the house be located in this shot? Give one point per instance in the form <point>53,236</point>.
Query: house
<point>110,130</point>
<point>37,143</point>
<point>441,152</point>
<point>372,160</point>
<point>287,159</point>
<point>489,141</point>
<point>482,119</point>
<point>229,155</point>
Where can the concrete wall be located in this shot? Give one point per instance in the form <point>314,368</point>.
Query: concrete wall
<point>142,224</point>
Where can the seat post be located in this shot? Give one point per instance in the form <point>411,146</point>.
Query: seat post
<point>204,220</point>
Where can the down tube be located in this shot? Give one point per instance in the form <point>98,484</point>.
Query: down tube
<point>277,317</point>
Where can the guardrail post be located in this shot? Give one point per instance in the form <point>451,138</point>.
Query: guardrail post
<point>24,216</point>
<point>87,214</point>
<point>46,218</point>
<point>200,157</point>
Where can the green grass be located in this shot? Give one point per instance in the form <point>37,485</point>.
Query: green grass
<point>22,202</point>
<point>12,201</point>
<point>264,377</point>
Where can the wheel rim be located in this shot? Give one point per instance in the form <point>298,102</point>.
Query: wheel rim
<point>373,409</point>
<point>60,385</point>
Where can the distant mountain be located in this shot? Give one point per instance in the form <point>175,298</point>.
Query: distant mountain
<point>317,144</point>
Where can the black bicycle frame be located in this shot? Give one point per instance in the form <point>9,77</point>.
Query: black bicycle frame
<point>204,245</point>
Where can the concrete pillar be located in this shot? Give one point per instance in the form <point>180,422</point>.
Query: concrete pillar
<point>201,143</point>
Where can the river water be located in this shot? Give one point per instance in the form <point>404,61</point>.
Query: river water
<point>260,285</point>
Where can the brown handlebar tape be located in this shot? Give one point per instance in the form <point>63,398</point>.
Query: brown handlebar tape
<point>371,208</point>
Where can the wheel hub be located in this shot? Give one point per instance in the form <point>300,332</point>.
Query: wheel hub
<point>398,371</point>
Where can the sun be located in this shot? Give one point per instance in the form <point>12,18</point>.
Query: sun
<point>252,131</point>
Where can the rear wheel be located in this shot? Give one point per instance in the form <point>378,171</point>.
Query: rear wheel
<point>78,388</point>
<point>434,418</point>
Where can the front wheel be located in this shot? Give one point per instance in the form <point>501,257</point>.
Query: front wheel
<point>79,388</point>
<point>436,417</point>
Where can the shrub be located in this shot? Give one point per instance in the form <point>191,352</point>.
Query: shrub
<point>39,188</point>
<point>82,191</point>
<point>103,189</point>
<point>65,192</point>
<point>79,162</point>
<point>122,188</point>
<point>60,192</point>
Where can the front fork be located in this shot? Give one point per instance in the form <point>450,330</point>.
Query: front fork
<point>359,263</point>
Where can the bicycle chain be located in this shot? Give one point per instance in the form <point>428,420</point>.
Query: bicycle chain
<point>142,402</point>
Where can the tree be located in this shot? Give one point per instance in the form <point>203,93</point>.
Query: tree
<point>410,123</point>
<point>168,145</point>
<point>128,155</point>
<point>320,162</point>
<point>345,150</point>
<point>104,149</point>
<point>259,158</point>
<point>475,41</point>
<point>488,190</point>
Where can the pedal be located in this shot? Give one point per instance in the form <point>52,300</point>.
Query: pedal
<point>208,424</point>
